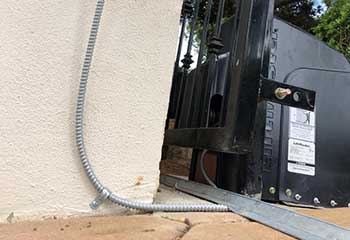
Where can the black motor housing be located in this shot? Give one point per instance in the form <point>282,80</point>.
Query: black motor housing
<point>306,154</point>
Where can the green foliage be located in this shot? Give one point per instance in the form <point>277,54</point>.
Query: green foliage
<point>328,2</point>
<point>331,26</point>
<point>301,13</point>
<point>334,26</point>
<point>230,6</point>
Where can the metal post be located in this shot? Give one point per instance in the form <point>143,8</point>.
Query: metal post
<point>187,11</point>
<point>195,102</point>
<point>204,33</point>
<point>187,61</point>
<point>214,47</point>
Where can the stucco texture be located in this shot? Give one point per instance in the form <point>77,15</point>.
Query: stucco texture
<point>42,47</point>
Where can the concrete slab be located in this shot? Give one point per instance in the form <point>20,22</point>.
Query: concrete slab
<point>339,216</point>
<point>161,226</point>
<point>193,219</point>
<point>145,227</point>
<point>245,230</point>
<point>234,231</point>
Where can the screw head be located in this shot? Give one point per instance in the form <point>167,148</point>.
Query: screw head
<point>316,200</point>
<point>272,190</point>
<point>297,97</point>
<point>288,192</point>
<point>333,203</point>
<point>297,197</point>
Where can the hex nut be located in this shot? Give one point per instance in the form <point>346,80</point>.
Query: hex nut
<point>333,203</point>
<point>316,200</point>
<point>298,197</point>
<point>288,192</point>
<point>272,190</point>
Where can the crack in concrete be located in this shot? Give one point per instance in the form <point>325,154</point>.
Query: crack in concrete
<point>190,225</point>
<point>183,221</point>
<point>188,222</point>
<point>188,228</point>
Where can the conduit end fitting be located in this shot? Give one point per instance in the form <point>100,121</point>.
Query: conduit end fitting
<point>103,195</point>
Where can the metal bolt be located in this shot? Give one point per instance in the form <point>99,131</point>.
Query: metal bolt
<point>316,200</point>
<point>282,93</point>
<point>333,203</point>
<point>297,197</point>
<point>272,190</point>
<point>288,192</point>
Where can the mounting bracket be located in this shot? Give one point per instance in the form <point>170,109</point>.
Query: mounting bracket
<point>286,94</point>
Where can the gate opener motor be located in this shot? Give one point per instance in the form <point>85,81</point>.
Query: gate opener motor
<point>252,104</point>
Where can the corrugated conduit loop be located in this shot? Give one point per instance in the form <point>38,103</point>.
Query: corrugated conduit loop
<point>101,189</point>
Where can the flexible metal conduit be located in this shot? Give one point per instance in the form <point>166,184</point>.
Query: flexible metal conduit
<point>102,190</point>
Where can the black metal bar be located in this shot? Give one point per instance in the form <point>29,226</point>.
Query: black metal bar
<point>214,47</point>
<point>196,103</point>
<point>282,219</point>
<point>187,86</point>
<point>204,33</point>
<point>253,168</point>
<point>181,38</point>
<point>175,80</point>
<point>219,18</point>
<point>187,61</point>
<point>192,109</point>
<point>186,13</point>
<point>193,27</point>
<point>246,66</point>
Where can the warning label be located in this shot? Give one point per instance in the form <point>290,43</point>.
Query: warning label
<point>302,125</point>
<point>301,144</point>
<point>301,169</point>
<point>301,151</point>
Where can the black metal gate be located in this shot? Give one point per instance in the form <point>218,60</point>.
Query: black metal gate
<point>220,105</point>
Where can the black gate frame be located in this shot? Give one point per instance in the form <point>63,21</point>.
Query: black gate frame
<point>248,86</point>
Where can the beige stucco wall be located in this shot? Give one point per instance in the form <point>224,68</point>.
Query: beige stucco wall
<point>41,51</point>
